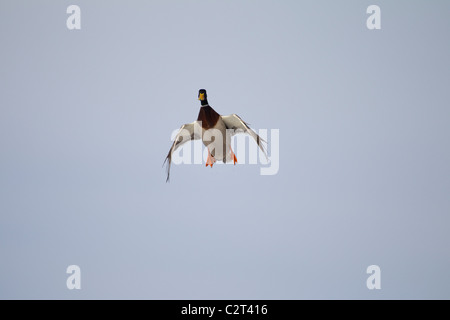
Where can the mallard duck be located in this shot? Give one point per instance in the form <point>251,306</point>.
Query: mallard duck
<point>208,118</point>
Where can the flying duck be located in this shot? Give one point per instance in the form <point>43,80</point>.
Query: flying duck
<point>208,119</point>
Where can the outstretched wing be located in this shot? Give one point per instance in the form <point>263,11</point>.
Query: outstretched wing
<point>187,132</point>
<point>234,122</point>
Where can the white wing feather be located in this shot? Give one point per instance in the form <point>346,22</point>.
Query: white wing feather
<point>234,122</point>
<point>187,132</point>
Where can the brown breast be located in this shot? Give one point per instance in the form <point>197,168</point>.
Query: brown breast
<point>208,116</point>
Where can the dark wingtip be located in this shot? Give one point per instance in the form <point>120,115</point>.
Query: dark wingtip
<point>168,160</point>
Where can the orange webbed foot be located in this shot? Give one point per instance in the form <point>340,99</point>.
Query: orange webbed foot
<point>210,161</point>
<point>233,156</point>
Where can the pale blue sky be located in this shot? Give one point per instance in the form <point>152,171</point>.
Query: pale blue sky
<point>85,124</point>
